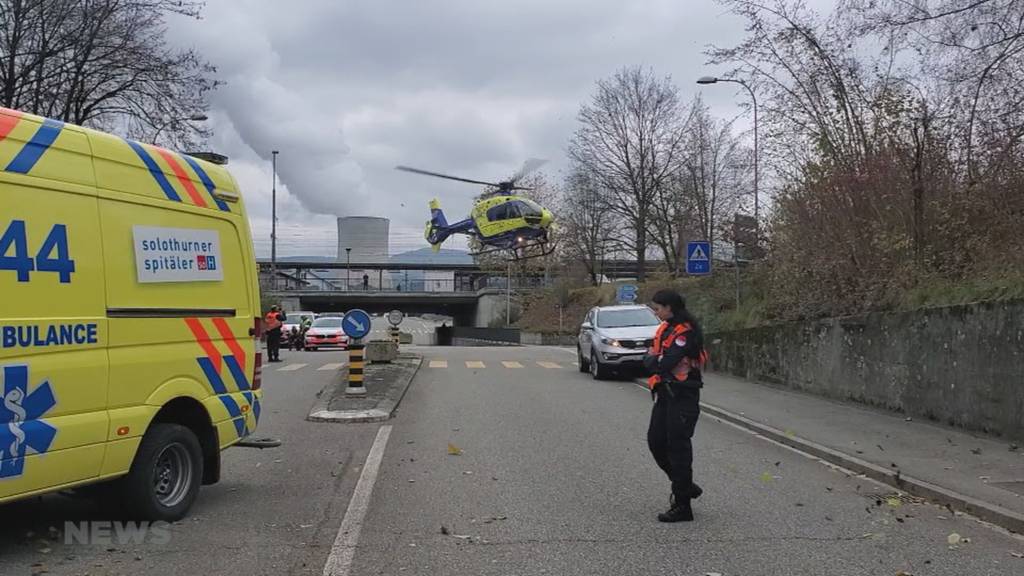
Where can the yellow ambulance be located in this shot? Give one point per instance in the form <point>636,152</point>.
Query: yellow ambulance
<point>129,317</point>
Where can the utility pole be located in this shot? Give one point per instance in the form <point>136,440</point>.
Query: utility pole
<point>273,223</point>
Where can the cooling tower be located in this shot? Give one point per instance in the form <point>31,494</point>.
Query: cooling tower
<point>367,236</point>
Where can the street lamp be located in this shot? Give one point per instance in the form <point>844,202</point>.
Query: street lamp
<point>348,264</point>
<point>753,97</point>
<point>193,118</point>
<point>273,221</point>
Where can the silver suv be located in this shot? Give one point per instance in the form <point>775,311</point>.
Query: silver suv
<point>615,337</point>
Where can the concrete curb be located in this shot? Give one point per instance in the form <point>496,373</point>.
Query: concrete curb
<point>382,413</point>
<point>998,515</point>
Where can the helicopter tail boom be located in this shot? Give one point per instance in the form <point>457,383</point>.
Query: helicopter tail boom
<point>438,229</point>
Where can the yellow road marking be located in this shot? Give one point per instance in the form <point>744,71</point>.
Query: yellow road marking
<point>438,363</point>
<point>475,364</point>
<point>548,365</point>
<point>512,364</point>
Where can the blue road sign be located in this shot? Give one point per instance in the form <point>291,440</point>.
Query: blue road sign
<point>698,258</point>
<point>627,293</point>
<point>356,324</point>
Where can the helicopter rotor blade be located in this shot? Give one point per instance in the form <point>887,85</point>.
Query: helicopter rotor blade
<point>529,166</point>
<point>439,175</point>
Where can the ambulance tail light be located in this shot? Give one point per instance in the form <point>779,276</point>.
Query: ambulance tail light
<point>257,372</point>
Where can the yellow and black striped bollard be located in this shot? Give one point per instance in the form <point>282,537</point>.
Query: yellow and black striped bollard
<point>356,364</point>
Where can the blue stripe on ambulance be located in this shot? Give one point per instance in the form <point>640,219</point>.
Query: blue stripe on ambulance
<point>155,170</point>
<point>207,182</point>
<point>34,149</point>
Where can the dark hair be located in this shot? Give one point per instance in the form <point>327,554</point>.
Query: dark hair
<point>675,301</point>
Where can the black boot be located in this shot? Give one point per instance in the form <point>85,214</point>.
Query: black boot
<point>695,491</point>
<point>679,512</point>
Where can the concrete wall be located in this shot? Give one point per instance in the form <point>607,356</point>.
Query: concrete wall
<point>547,339</point>
<point>961,365</point>
<point>490,305</point>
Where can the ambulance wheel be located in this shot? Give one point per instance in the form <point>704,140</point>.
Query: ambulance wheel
<point>583,364</point>
<point>165,476</point>
<point>311,348</point>
<point>597,370</point>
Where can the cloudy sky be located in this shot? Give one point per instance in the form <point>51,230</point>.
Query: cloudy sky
<point>347,89</point>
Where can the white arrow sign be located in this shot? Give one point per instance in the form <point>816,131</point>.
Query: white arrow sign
<point>356,323</point>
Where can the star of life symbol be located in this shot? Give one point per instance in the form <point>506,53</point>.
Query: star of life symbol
<point>21,430</point>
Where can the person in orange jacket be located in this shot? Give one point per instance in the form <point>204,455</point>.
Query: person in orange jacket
<point>675,363</point>
<point>273,322</point>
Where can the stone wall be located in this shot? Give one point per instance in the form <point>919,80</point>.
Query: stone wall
<point>961,365</point>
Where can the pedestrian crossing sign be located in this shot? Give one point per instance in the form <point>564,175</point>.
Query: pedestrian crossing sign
<point>698,258</point>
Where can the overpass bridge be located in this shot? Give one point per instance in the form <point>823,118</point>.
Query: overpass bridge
<point>472,295</point>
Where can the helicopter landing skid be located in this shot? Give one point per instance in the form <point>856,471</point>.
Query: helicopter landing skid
<point>520,252</point>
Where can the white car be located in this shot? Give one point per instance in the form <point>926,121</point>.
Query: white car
<point>326,332</point>
<point>615,337</point>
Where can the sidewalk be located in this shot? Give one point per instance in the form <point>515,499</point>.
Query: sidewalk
<point>979,475</point>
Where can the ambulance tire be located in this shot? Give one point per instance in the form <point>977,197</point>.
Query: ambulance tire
<point>310,348</point>
<point>176,450</point>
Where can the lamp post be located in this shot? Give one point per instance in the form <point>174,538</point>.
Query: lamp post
<point>198,117</point>
<point>348,265</point>
<point>753,97</point>
<point>273,221</point>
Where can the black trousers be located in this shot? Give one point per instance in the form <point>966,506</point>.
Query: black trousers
<point>273,344</point>
<point>673,420</point>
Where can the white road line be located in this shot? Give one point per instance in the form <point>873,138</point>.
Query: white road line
<point>475,364</point>
<point>438,363</point>
<point>339,561</point>
<point>335,366</point>
<point>292,367</point>
<point>509,364</point>
<point>548,365</point>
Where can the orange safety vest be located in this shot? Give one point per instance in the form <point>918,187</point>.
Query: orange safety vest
<point>682,370</point>
<point>271,320</point>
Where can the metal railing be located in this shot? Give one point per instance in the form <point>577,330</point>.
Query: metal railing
<point>417,286</point>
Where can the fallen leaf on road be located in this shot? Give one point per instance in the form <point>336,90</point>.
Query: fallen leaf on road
<point>902,573</point>
<point>894,502</point>
<point>829,488</point>
<point>462,536</point>
<point>1013,447</point>
<point>712,574</point>
<point>444,530</point>
<point>909,419</point>
<point>304,526</point>
<point>454,450</point>
<point>411,481</point>
<point>468,472</point>
<point>790,433</point>
<point>976,451</point>
<point>1016,554</point>
<point>868,535</point>
<point>880,447</point>
<point>953,539</point>
<point>766,477</point>
<point>983,478</point>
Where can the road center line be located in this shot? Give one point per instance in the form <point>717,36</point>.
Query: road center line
<point>339,561</point>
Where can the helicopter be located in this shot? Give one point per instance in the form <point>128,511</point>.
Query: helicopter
<point>500,221</point>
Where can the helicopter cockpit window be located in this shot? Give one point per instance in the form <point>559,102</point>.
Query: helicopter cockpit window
<point>505,211</point>
<point>528,208</point>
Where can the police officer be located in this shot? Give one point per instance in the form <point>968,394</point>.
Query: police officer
<point>674,363</point>
<point>274,320</point>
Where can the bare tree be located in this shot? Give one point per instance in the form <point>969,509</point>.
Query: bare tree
<point>629,143</point>
<point>587,226</point>
<point>103,63</point>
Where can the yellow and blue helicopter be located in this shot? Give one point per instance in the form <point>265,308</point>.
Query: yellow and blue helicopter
<point>500,219</point>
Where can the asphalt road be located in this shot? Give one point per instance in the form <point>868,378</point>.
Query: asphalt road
<point>553,478</point>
